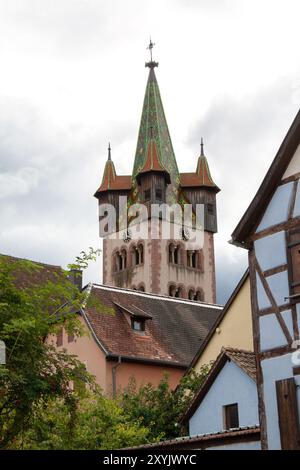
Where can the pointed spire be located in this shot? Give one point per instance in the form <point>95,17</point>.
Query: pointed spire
<point>203,171</point>
<point>202,148</point>
<point>109,174</point>
<point>154,126</point>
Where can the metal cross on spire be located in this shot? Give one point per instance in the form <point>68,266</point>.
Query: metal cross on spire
<point>202,147</point>
<point>152,63</point>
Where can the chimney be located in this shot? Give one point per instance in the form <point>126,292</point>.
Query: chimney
<point>75,276</point>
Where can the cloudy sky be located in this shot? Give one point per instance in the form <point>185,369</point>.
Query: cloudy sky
<point>73,77</point>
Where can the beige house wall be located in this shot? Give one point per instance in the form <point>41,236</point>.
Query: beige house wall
<point>88,352</point>
<point>235,329</point>
<point>142,373</point>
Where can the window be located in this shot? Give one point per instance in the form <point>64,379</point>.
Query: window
<point>172,290</point>
<point>173,254</point>
<point>59,338</point>
<point>158,194</point>
<point>147,195</point>
<point>192,259</point>
<point>199,295</point>
<point>231,416</point>
<point>137,324</point>
<point>138,255</point>
<point>71,337</point>
<point>210,209</point>
<point>294,260</point>
<point>191,294</point>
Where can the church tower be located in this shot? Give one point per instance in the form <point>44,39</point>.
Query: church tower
<point>154,263</point>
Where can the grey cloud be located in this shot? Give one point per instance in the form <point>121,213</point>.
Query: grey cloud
<point>241,140</point>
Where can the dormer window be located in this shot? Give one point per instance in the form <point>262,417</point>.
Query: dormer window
<point>138,324</point>
<point>135,316</point>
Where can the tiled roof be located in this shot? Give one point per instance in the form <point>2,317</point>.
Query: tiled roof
<point>244,359</point>
<point>35,274</point>
<point>113,182</point>
<point>172,335</point>
<point>202,177</point>
<point>203,439</point>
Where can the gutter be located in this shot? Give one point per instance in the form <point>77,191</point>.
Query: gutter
<point>114,376</point>
<point>115,357</point>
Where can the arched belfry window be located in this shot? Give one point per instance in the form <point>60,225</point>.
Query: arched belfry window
<point>199,295</point>
<point>174,253</point>
<point>191,294</point>
<point>120,260</point>
<point>137,254</point>
<point>192,258</point>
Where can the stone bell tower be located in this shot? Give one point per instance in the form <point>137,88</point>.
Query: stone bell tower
<point>155,264</point>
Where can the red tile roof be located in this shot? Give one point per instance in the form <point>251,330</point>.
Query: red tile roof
<point>113,182</point>
<point>244,359</point>
<point>172,335</point>
<point>27,272</point>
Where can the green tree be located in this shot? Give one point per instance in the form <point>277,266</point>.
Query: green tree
<point>35,371</point>
<point>159,408</point>
<point>93,422</point>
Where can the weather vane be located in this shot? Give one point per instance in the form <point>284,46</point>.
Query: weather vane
<point>151,64</point>
<point>150,47</point>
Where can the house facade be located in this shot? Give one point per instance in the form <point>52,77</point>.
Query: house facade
<point>270,230</point>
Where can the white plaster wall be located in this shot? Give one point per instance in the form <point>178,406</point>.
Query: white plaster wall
<point>279,286</point>
<point>274,369</point>
<point>270,251</point>
<point>253,445</point>
<point>271,334</point>
<point>294,166</point>
<point>262,299</point>
<point>277,210</point>
<point>232,385</point>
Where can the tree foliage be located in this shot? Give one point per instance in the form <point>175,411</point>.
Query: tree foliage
<point>92,422</point>
<point>160,408</point>
<point>35,371</point>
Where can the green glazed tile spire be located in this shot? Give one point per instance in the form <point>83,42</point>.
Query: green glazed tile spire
<point>154,126</point>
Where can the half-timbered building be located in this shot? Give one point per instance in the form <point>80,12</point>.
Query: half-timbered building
<point>270,230</point>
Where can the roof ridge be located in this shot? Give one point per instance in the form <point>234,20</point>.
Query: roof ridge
<point>162,296</point>
<point>32,261</point>
<point>237,350</point>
